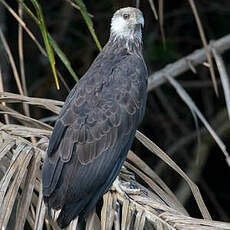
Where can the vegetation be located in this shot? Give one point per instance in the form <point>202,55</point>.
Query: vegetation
<point>46,46</point>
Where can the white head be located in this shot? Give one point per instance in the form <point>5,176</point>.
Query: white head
<point>126,23</point>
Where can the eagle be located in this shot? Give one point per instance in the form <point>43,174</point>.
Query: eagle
<point>97,124</point>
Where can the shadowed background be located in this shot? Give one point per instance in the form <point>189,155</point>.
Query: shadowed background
<point>168,121</point>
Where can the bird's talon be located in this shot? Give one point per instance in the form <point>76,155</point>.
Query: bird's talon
<point>144,191</point>
<point>133,185</point>
<point>126,188</point>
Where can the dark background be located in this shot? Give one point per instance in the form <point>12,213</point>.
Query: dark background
<point>168,121</point>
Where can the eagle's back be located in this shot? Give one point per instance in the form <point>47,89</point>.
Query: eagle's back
<point>94,132</point>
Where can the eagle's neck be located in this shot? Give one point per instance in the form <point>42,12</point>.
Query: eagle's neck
<point>133,45</point>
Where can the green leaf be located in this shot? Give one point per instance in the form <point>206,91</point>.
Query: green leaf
<point>28,11</point>
<point>63,57</point>
<point>40,21</point>
<point>46,40</point>
<point>88,21</point>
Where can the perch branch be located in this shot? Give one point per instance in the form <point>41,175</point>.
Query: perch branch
<point>184,64</point>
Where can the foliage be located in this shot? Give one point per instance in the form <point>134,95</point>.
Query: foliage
<point>26,122</point>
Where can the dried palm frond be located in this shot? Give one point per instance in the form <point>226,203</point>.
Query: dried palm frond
<point>224,78</point>
<point>153,206</point>
<point>194,109</point>
<point>204,41</point>
<point>186,63</point>
<point>49,104</point>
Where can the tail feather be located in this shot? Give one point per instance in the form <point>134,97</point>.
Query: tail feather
<point>82,207</point>
<point>70,212</point>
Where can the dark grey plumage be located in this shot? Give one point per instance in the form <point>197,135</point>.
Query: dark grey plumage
<point>97,124</point>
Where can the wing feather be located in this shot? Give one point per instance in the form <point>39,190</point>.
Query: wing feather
<point>94,132</point>
<point>56,137</point>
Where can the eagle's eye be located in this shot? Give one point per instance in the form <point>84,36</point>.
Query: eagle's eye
<point>126,16</point>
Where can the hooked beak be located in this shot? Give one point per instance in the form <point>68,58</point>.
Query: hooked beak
<point>141,22</point>
<point>139,25</point>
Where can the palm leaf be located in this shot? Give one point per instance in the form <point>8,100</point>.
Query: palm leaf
<point>88,22</point>
<point>152,207</point>
<point>46,40</point>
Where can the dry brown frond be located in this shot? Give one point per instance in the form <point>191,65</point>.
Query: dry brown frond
<point>205,44</point>
<point>186,63</point>
<point>224,78</point>
<point>49,104</point>
<point>150,207</point>
<point>194,109</point>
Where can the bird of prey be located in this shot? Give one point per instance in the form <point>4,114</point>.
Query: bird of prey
<point>97,124</point>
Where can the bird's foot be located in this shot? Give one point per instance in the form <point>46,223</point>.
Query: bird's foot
<point>126,188</point>
<point>116,186</point>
